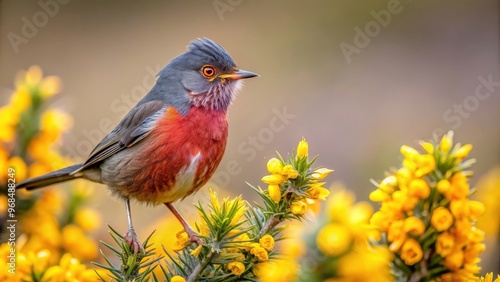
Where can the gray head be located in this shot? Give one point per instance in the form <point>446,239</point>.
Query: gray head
<point>208,75</point>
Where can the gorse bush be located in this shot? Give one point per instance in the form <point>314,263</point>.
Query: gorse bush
<point>426,217</point>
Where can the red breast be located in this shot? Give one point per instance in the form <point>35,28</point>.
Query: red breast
<point>182,154</point>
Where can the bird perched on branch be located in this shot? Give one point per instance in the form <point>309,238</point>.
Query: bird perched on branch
<point>171,142</point>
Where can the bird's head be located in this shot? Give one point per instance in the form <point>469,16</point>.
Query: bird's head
<point>208,74</point>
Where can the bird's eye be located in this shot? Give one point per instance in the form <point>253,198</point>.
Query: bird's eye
<point>208,71</point>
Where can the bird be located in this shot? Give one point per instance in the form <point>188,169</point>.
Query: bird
<point>170,144</point>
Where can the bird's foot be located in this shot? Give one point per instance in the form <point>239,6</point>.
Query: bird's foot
<point>193,236</point>
<point>132,240</point>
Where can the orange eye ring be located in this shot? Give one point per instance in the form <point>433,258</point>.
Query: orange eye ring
<point>208,71</point>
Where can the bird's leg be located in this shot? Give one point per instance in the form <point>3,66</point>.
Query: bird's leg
<point>193,236</point>
<point>130,236</point>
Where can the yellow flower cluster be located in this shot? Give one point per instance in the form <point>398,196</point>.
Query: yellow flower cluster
<point>260,252</point>
<point>182,238</point>
<point>19,127</point>
<point>41,228</point>
<point>50,241</point>
<point>277,270</point>
<point>342,241</point>
<point>279,172</point>
<point>488,278</point>
<point>38,266</point>
<point>70,269</point>
<point>282,173</point>
<point>293,188</point>
<point>426,214</point>
<point>236,246</point>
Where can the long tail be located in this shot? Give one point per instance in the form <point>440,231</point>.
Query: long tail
<point>50,178</point>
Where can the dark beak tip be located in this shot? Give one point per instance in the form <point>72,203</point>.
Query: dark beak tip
<point>246,74</point>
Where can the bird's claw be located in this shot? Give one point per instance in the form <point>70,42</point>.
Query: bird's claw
<point>194,237</point>
<point>132,240</point>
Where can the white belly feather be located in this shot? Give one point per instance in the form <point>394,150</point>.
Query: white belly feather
<point>184,182</point>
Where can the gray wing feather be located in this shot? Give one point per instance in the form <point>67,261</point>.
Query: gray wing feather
<point>135,126</point>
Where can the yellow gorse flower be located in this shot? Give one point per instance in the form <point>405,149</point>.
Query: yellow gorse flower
<point>74,239</point>
<point>379,196</point>
<point>182,241</point>
<point>427,146</point>
<point>279,270</point>
<point>241,208</point>
<point>462,152</point>
<point>9,116</point>
<point>298,208</point>
<point>454,260</point>
<point>274,166</point>
<point>446,142</point>
<point>87,219</point>
<point>196,251</point>
<point>50,86</point>
<point>214,200</point>
<point>19,166</point>
<point>177,278</point>
<point>289,172</point>
<point>267,242</point>
<point>316,192</point>
<point>396,235</point>
<point>279,174</point>
<point>334,239</point>
<point>302,148</point>
<point>441,219</point>
<point>445,244</point>
<point>419,188</point>
<point>33,78</point>
<point>414,226</point>
<point>411,252</point>
<point>53,123</point>
<point>273,179</point>
<point>321,173</point>
<point>236,268</point>
<point>388,184</point>
<point>274,192</point>
<point>259,252</point>
<point>20,100</point>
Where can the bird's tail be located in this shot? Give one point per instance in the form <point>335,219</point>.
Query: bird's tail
<point>50,178</point>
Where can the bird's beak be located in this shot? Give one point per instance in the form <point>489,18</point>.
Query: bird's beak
<point>239,74</point>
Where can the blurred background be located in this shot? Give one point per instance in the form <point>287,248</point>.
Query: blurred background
<point>356,79</point>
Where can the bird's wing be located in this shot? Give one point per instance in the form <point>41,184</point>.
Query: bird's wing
<point>134,127</point>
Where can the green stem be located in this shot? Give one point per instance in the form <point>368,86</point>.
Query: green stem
<point>424,271</point>
<point>200,267</point>
<point>415,276</point>
<point>270,224</point>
